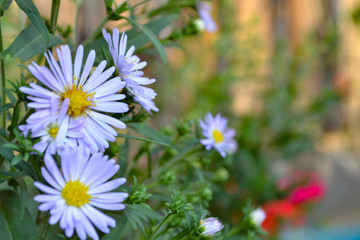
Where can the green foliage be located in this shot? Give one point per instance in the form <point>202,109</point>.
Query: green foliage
<point>151,36</point>
<point>29,43</point>
<point>12,226</point>
<point>138,193</point>
<point>29,8</point>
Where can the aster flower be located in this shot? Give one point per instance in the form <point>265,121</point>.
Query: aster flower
<point>75,193</point>
<point>74,97</point>
<point>45,125</point>
<point>204,9</point>
<point>258,216</point>
<point>218,135</point>
<point>210,226</point>
<point>129,66</point>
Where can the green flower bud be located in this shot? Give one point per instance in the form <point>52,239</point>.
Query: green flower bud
<point>168,178</point>
<point>179,204</point>
<point>138,194</point>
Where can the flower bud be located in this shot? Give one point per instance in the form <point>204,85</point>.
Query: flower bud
<point>199,24</point>
<point>258,216</point>
<point>210,226</point>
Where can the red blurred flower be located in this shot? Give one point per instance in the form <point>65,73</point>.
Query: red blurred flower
<point>281,210</point>
<point>309,193</point>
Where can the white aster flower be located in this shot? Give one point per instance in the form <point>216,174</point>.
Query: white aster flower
<point>204,10</point>
<point>75,193</point>
<point>210,226</point>
<point>258,216</point>
<point>218,135</point>
<point>73,97</point>
<point>129,67</point>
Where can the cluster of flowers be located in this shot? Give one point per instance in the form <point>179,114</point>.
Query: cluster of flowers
<point>68,121</point>
<point>70,118</point>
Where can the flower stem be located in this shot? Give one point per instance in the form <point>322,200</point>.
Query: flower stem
<point>96,31</point>
<point>76,24</point>
<point>153,234</point>
<point>55,6</point>
<point>2,69</point>
<point>45,226</point>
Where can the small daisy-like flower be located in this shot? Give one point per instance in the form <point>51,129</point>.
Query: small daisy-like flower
<point>45,125</point>
<point>218,135</point>
<point>204,10</point>
<point>129,66</point>
<point>210,226</point>
<point>258,216</point>
<point>75,97</point>
<point>75,192</point>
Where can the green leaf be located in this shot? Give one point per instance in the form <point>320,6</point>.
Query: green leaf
<point>151,36</point>
<point>16,159</point>
<point>5,152</point>
<point>6,107</point>
<point>29,43</point>
<point>4,5</point>
<point>8,175</point>
<point>149,132</point>
<point>137,37</point>
<point>12,146</point>
<point>10,96</point>
<point>119,231</point>
<point>143,139</point>
<point>26,167</point>
<point>11,226</point>
<point>123,158</point>
<point>33,14</point>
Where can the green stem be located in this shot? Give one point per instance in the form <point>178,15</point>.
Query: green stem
<point>140,3</point>
<point>55,6</point>
<point>149,166</point>
<point>153,234</point>
<point>45,226</point>
<point>2,68</point>
<point>96,31</point>
<point>76,27</point>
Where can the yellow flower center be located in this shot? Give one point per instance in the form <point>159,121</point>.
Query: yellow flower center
<point>75,193</point>
<point>217,135</point>
<point>53,130</point>
<point>79,101</point>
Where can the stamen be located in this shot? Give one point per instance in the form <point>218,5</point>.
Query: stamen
<point>76,193</point>
<point>53,130</point>
<point>218,136</point>
<point>79,101</point>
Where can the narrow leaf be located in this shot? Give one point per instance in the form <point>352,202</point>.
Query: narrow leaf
<point>10,96</point>
<point>149,132</point>
<point>33,14</point>
<point>6,153</point>
<point>151,36</point>
<point>6,107</point>
<point>17,159</point>
<point>143,139</point>
<point>29,43</point>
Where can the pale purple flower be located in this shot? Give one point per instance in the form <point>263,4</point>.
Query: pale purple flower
<point>129,67</point>
<point>218,135</point>
<point>76,192</point>
<point>204,10</point>
<point>73,98</point>
<point>210,226</point>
